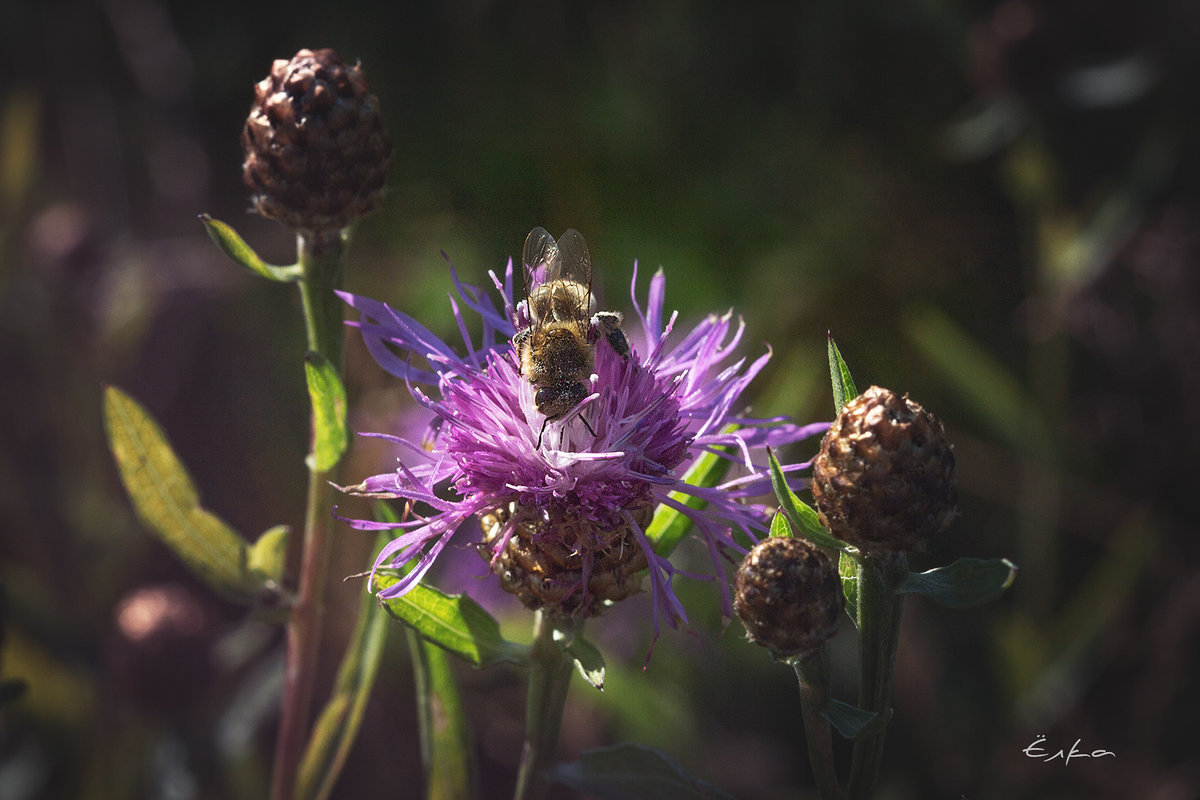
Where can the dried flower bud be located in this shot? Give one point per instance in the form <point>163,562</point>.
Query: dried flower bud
<point>789,596</point>
<point>317,154</point>
<point>884,479</point>
<point>163,635</point>
<point>549,557</point>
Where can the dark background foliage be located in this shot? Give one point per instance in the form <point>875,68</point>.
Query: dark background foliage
<point>992,206</point>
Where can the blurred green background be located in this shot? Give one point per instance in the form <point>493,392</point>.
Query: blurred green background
<point>992,206</point>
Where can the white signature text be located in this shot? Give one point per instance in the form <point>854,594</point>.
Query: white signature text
<point>1036,750</point>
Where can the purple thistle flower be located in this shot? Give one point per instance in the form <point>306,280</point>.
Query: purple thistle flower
<point>565,524</point>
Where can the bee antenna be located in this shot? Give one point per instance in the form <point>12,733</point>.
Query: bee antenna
<point>538,446</point>
<point>583,419</point>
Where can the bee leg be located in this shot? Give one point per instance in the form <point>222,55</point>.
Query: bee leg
<point>618,342</point>
<point>583,419</point>
<point>609,324</point>
<point>542,432</point>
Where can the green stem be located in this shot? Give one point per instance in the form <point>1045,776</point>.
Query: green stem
<point>812,671</point>
<point>549,675</point>
<point>879,608</point>
<point>320,256</point>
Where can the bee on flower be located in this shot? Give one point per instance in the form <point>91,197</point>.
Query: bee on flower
<point>563,451</point>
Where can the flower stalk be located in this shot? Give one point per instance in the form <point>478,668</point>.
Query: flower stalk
<point>321,261</point>
<point>812,672</point>
<point>879,610</point>
<point>549,676</point>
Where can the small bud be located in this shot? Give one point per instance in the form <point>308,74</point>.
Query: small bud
<point>317,154</point>
<point>884,479</point>
<point>788,596</point>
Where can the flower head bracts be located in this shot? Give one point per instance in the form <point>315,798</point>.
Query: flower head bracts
<point>564,524</point>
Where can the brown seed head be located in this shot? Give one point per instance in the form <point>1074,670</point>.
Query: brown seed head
<point>317,154</point>
<point>884,479</point>
<point>549,555</point>
<point>788,596</point>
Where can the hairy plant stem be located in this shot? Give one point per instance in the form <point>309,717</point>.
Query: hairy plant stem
<point>879,608</point>
<point>812,671</point>
<point>320,258</point>
<point>549,675</point>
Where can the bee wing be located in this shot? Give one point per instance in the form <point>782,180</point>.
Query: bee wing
<point>574,262</point>
<point>541,251</point>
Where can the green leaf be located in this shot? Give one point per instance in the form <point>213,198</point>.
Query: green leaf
<point>328,395</point>
<point>839,376</point>
<point>848,570</point>
<point>340,720</point>
<point>669,526</point>
<point>633,772</point>
<point>167,503</point>
<point>267,557</point>
<point>234,246</point>
<point>454,622</point>
<point>447,746</point>
<point>779,527</point>
<point>966,583</point>
<point>800,515</point>
<point>588,660</point>
<point>853,722</point>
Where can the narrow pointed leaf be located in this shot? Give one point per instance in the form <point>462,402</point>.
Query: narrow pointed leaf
<point>454,622</point>
<point>447,746</point>
<point>669,527</point>
<point>800,515</point>
<point>633,772</point>
<point>167,503</point>
<point>328,396</point>
<point>338,725</point>
<point>839,376</point>
<point>853,722</point>
<point>588,661</point>
<point>848,570</point>
<point>966,583</point>
<point>242,254</point>
<point>779,527</point>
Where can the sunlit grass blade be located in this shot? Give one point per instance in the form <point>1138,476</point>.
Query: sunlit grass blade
<point>670,526</point>
<point>337,726</point>
<point>447,745</point>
